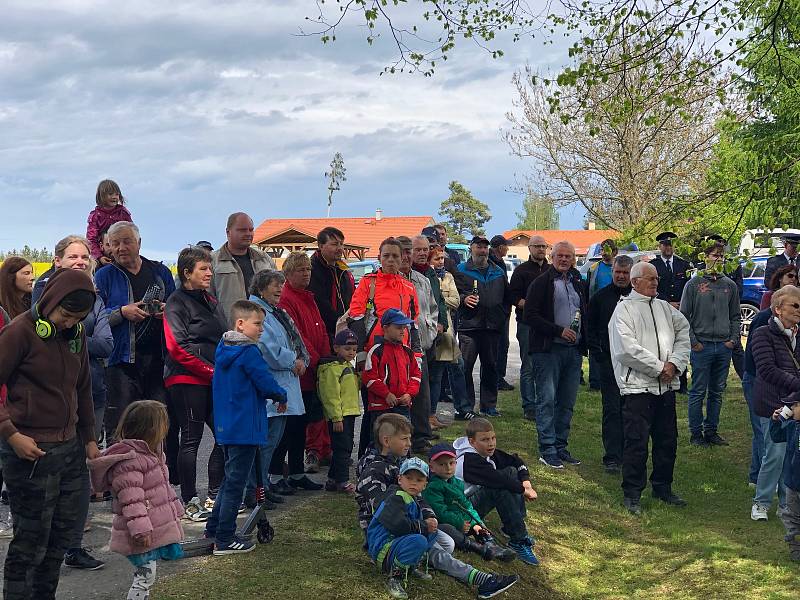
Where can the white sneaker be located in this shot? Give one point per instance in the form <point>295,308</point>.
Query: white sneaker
<point>6,531</point>
<point>196,511</point>
<point>759,513</point>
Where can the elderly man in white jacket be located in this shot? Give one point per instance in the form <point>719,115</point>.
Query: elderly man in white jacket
<point>649,343</point>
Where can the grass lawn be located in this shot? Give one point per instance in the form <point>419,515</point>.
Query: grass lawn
<point>589,546</point>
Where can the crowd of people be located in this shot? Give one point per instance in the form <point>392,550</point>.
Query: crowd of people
<point>109,350</point>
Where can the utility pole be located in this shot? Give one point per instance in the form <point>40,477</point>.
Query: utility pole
<point>335,176</point>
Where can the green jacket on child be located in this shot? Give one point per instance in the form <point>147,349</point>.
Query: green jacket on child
<point>338,388</point>
<point>448,501</point>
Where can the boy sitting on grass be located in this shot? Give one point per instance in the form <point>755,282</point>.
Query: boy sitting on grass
<point>242,383</point>
<point>391,373</point>
<point>496,479</point>
<point>403,530</point>
<point>787,429</point>
<point>338,388</point>
<point>456,515</point>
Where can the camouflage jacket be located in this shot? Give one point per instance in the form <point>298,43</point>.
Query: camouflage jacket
<point>375,473</point>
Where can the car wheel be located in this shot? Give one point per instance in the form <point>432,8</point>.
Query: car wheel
<point>748,311</point>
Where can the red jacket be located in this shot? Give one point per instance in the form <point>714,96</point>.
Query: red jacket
<point>390,367</point>
<point>302,307</point>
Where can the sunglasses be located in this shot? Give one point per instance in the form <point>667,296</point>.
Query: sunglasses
<point>794,305</point>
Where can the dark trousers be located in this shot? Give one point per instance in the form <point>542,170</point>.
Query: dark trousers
<point>613,435</point>
<point>648,416</point>
<point>142,380</point>
<point>293,445</point>
<point>421,409</point>
<point>501,363</point>
<point>192,406</point>
<point>239,460</point>
<point>45,500</point>
<point>480,343</point>
<point>342,448</point>
<point>76,539</point>
<point>510,507</point>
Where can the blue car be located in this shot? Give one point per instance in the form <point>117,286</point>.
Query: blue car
<point>753,291</point>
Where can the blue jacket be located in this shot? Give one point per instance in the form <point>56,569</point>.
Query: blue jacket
<point>241,385</point>
<point>276,348</point>
<point>398,515</point>
<point>115,290</point>
<point>789,432</point>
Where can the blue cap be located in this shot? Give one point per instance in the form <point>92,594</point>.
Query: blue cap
<point>345,337</point>
<point>395,317</point>
<point>414,464</point>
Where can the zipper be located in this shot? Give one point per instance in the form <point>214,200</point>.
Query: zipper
<point>658,341</point>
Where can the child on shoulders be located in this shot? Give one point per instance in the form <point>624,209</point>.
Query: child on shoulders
<point>496,479</point>
<point>110,209</point>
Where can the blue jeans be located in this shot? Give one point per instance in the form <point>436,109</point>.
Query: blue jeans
<point>757,446</point>
<point>458,385</point>
<point>239,461</point>
<point>275,430</point>
<point>556,375</point>
<point>709,378</point>
<point>771,473</point>
<point>527,390</point>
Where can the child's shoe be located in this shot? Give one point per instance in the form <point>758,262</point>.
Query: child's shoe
<point>524,550</point>
<point>420,574</point>
<point>497,584</point>
<point>196,511</point>
<point>394,585</point>
<point>236,546</point>
<point>494,551</point>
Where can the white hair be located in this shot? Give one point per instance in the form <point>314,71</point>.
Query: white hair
<point>122,226</point>
<point>563,243</point>
<point>640,269</point>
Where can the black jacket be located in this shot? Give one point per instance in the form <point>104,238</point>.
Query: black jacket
<point>479,471</point>
<point>333,290</point>
<point>193,326</point>
<point>521,280</point>
<point>601,307</point>
<point>776,262</point>
<point>670,285</point>
<point>777,375</point>
<point>539,310</point>
<point>494,306</point>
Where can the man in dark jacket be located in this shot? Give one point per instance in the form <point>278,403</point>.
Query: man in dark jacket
<point>787,257</point>
<point>332,282</point>
<point>601,307</point>
<point>453,257</point>
<point>485,307</point>
<point>555,309</point>
<point>521,280</point>
<point>47,430</point>
<point>498,248</point>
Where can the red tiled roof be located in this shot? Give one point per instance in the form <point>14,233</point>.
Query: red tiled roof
<point>580,238</point>
<point>363,231</point>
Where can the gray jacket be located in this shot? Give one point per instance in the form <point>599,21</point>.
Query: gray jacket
<point>711,305</point>
<point>428,310</point>
<point>227,284</point>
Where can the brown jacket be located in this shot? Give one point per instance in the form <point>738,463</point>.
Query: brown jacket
<point>49,386</point>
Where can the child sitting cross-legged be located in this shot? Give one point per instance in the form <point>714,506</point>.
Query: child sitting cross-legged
<point>338,388</point>
<point>456,515</point>
<point>404,530</point>
<point>496,479</point>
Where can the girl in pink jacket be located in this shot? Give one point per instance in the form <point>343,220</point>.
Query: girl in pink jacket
<point>110,209</point>
<point>147,513</point>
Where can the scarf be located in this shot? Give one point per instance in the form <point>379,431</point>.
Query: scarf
<point>440,272</point>
<point>291,330</point>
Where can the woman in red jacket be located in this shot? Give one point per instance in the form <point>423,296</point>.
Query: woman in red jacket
<point>193,326</point>
<point>299,302</point>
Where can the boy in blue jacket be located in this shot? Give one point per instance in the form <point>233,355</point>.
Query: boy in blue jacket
<point>242,383</point>
<point>403,530</point>
<point>787,429</point>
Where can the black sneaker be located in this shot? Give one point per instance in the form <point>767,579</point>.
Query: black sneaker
<point>714,439</point>
<point>282,488</point>
<point>504,386</point>
<point>304,483</point>
<point>612,468</point>
<point>467,416</point>
<point>273,497</point>
<point>497,584</point>
<point>79,558</point>
<point>633,506</point>
<point>669,497</point>
<point>566,457</point>
<point>697,439</point>
<point>4,498</point>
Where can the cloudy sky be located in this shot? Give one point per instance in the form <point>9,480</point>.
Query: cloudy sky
<point>201,108</point>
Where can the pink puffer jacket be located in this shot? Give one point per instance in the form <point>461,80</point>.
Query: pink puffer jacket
<point>144,501</point>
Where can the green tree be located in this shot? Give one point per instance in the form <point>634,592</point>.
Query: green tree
<point>463,213</point>
<point>538,212</point>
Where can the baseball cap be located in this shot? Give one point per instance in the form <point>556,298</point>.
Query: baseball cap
<point>498,240</point>
<point>442,449</point>
<point>414,464</point>
<point>205,244</point>
<point>432,234</point>
<point>345,337</point>
<point>395,317</point>
<point>479,239</point>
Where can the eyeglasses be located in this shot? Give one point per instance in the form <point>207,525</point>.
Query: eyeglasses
<point>794,305</point>
<point>538,246</point>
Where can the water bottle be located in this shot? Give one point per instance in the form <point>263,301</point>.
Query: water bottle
<point>785,414</point>
<point>576,322</point>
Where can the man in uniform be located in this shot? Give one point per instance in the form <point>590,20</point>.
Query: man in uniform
<point>787,257</point>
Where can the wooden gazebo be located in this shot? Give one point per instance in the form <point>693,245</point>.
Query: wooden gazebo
<point>293,239</point>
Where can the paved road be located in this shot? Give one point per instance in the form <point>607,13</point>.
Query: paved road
<point>112,582</point>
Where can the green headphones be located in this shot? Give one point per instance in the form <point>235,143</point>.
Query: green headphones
<point>46,330</point>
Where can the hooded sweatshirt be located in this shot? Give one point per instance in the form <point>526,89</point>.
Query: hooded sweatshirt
<point>242,384</point>
<point>49,386</point>
<point>480,471</point>
<point>144,501</point>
